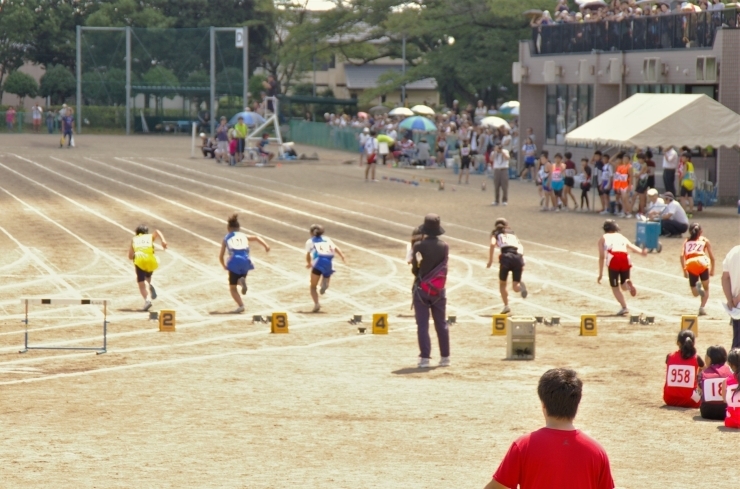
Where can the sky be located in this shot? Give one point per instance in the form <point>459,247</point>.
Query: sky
<point>319,5</point>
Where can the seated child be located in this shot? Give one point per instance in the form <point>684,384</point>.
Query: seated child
<point>263,145</point>
<point>732,393</point>
<point>710,383</point>
<point>682,368</point>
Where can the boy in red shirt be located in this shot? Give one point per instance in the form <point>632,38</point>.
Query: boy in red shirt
<point>557,456</point>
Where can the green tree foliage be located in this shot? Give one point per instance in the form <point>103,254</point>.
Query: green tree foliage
<point>54,30</point>
<point>16,25</point>
<point>104,87</point>
<point>162,83</point>
<point>21,84</point>
<point>58,83</point>
<point>122,13</point>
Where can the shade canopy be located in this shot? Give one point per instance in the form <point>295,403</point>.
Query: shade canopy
<point>662,120</point>
<point>496,122</point>
<point>401,111</point>
<point>418,123</point>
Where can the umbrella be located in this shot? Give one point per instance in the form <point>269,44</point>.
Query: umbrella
<point>418,123</point>
<point>643,2</point>
<point>362,115</point>
<point>594,4</point>
<point>250,118</point>
<point>535,12</point>
<point>495,122</point>
<point>384,138</point>
<point>422,110</point>
<point>690,7</point>
<point>401,111</point>
<point>379,109</point>
<point>510,104</point>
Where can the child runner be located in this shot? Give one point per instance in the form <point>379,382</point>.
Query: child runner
<point>585,185</point>
<point>263,147</point>
<point>711,379</point>
<point>464,163</point>
<point>697,261</point>
<point>605,183</point>
<point>642,183</point>
<point>682,370</point>
<point>238,264</point>
<point>233,146</point>
<point>570,173</point>
<point>141,252</point>
<point>68,124</point>
<point>371,153</point>
<point>320,252</point>
<point>362,137</point>
<point>557,183</point>
<point>622,181</point>
<point>732,393</point>
<point>543,180</point>
<point>240,131</point>
<point>529,150</point>
<point>511,259</point>
<point>687,178</point>
<point>614,250</point>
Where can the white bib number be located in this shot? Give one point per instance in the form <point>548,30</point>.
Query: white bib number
<point>731,398</point>
<point>143,241</point>
<point>324,249</point>
<point>681,376</point>
<point>713,390</point>
<point>238,243</point>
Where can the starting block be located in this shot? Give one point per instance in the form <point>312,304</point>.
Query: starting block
<point>520,337</point>
<point>356,319</point>
<point>554,321</point>
<point>279,323</point>
<point>361,330</point>
<point>539,319</point>
<point>380,323</point>
<point>167,320</point>
<point>647,320</point>
<point>498,324</point>
<point>691,323</point>
<point>451,320</point>
<point>588,325</point>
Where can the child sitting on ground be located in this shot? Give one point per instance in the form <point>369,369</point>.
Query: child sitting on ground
<point>711,380</point>
<point>682,368</point>
<point>732,393</point>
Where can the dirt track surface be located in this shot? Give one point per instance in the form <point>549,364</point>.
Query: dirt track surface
<point>223,403</point>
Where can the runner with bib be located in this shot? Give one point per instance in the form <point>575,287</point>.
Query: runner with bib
<point>141,252</point>
<point>320,253</point>
<point>682,371</point>
<point>511,259</point>
<point>697,261</point>
<point>238,264</point>
<point>614,251</point>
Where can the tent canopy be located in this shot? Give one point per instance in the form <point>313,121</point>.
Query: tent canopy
<point>662,120</point>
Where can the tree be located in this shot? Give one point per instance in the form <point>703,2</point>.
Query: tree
<point>104,87</point>
<point>21,84</point>
<point>58,83</point>
<point>54,30</point>
<point>16,25</point>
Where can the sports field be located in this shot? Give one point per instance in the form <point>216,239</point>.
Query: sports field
<point>223,403</point>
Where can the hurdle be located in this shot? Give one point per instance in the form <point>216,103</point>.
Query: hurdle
<point>26,301</point>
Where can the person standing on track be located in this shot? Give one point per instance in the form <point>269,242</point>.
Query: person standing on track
<point>239,264</point>
<point>614,250</point>
<point>500,174</point>
<point>605,174</point>
<point>622,184</point>
<point>697,261</point>
<point>570,181</point>
<point>240,134</point>
<point>732,391</point>
<point>320,252</point>
<point>465,158</point>
<point>543,181</point>
<point>141,252</point>
<point>557,182</point>
<point>731,289</point>
<point>68,123</point>
<point>429,266</point>
<point>585,185</point>
<point>511,259</point>
<point>371,154</point>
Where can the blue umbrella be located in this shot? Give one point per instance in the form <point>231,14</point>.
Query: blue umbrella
<point>250,118</point>
<point>418,123</point>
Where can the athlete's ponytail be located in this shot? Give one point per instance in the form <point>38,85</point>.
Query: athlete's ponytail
<point>142,229</point>
<point>233,222</point>
<point>317,230</point>
<point>686,344</point>
<point>733,360</point>
<point>499,226</point>
<point>694,231</point>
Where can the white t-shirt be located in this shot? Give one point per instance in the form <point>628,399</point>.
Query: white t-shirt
<point>501,160</point>
<point>731,265</point>
<point>37,112</point>
<point>679,215</point>
<point>371,145</point>
<point>506,142</point>
<point>658,205</point>
<point>670,160</point>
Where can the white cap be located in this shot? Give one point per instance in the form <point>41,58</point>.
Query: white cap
<point>366,130</point>
<point>652,192</point>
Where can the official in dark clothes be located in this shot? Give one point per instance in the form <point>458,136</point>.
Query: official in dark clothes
<point>429,266</point>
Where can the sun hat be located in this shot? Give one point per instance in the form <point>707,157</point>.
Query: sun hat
<point>432,225</point>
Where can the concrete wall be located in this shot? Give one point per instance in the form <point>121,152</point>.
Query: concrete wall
<point>729,96</point>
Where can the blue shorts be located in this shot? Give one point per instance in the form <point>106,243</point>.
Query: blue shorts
<point>362,149</point>
<point>557,186</point>
<point>529,161</point>
<point>322,267</point>
<point>545,188</point>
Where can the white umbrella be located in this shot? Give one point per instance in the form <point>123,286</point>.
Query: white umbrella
<point>510,104</point>
<point>401,111</point>
<point>495,122</point>
<point>422,110</point>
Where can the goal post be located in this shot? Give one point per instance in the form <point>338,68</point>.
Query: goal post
<point>65,301</point>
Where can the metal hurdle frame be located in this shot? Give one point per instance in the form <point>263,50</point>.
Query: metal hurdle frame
<point>25,301</point>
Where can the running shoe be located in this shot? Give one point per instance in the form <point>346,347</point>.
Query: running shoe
<point>506,310</point>
<point>523,290</point>
<point>444,362</point>
<point>700,289</point>
<point>633,290</point>
<point>604,213</point>
<point>557,209</point>
<point>621,214</point>
<point>316,308</point>
<point>243,282</point>
<point>147,305</point>
<point>324,285</point>
<point>702,312</point>
<point>424,363</point>
<point>623,312</point>
<point>152,291</point>
<point>505,203</point>
<point>494,203</point>
<point>239,310</point>
<point>628,216</point>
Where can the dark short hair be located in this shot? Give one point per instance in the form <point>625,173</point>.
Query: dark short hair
<point>560,391</point>
<point>545,154</point>
<point>568,155</point>
<point>558,155</point>
<point>717,355</point>
<point>142,229</point>
<point>597,152</point>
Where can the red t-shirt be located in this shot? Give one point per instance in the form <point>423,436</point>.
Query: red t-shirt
<point>555,459</point>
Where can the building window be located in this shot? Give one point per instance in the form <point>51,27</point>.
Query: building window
<point>709,90</point>
<point>568,107</point>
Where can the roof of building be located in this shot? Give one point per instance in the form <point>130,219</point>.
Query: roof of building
<point>366,76</point>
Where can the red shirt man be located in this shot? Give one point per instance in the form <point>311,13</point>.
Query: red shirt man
<point>558,456</point>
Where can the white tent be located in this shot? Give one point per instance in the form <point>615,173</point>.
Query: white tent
<point>662,120</point>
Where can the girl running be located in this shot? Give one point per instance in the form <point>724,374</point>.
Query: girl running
<point>682,371</point>
<point>239,264</point>
<point>732,393</point>
<point>511,259</point>
<point>557,183</point>
<point>320,252</point>
<point>141,252</point>
<point>697,261</point>
<point>614,250</point>
<point>622,180</point>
